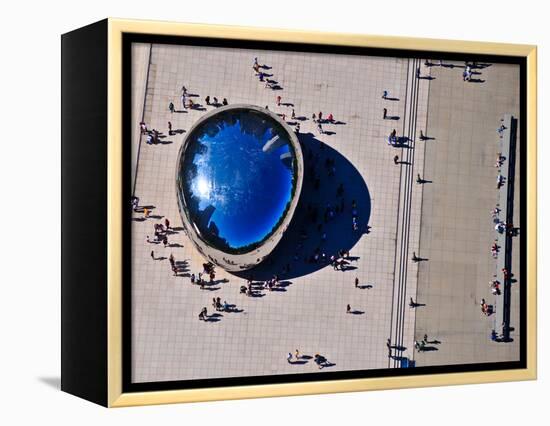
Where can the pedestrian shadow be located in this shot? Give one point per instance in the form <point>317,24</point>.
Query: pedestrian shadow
<point>182,265</point>
<point>210,288</point>
<point>364,287</point>
<point>328,132</point>
<point>476,80</point>
<point>391,99</point>
<point>392,117</point>
<point>426,77</point>
<point>212,318</point>
<point>301,118</point>
<point>357,312</point>
<point>192,95</point>
<point>423,181</point>
<point>347,267</point>
<point>291,258</point>
<point>233,310</point>
<point>400,348</point>
<point>428,349</point>
<point>180,111</point>
<point>299,362</point>
<point>480,66</point>
<point>287,104</point>
<point>399,142</point>
<point>155,216</point>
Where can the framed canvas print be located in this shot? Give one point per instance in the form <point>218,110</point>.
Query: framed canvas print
<point>250,212</point>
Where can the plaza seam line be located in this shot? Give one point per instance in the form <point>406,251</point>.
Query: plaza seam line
<point>407,213</point>
<point>398,213</point>
<point>142,117</point>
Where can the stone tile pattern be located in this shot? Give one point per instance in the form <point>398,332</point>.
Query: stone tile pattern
<point>456,228</point>
<point>169,342</point>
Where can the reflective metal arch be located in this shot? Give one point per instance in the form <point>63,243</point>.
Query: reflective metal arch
<point>238,260</point>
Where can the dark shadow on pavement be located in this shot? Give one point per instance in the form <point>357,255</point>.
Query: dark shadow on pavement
<point>304,237</point>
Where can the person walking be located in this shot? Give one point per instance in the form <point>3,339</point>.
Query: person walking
<point>153,254</point>
<point>171,107</point>
<point>207,100</point>
<point>396,159</point>
<point>356,282</point>
<point>278,99</point>
<point>224,102</point>
<point>289,358</point>
<point>293,116</point>
<point>385,113</point>
<point>348,309</point>
<point>385,94</point>
<point>170,128</point>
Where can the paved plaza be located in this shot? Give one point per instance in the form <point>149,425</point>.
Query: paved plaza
<point>308,311</point>
<point>457,229</point>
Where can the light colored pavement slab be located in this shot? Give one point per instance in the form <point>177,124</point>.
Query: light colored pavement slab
<point>169,342</point>
<point>456,228</point>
